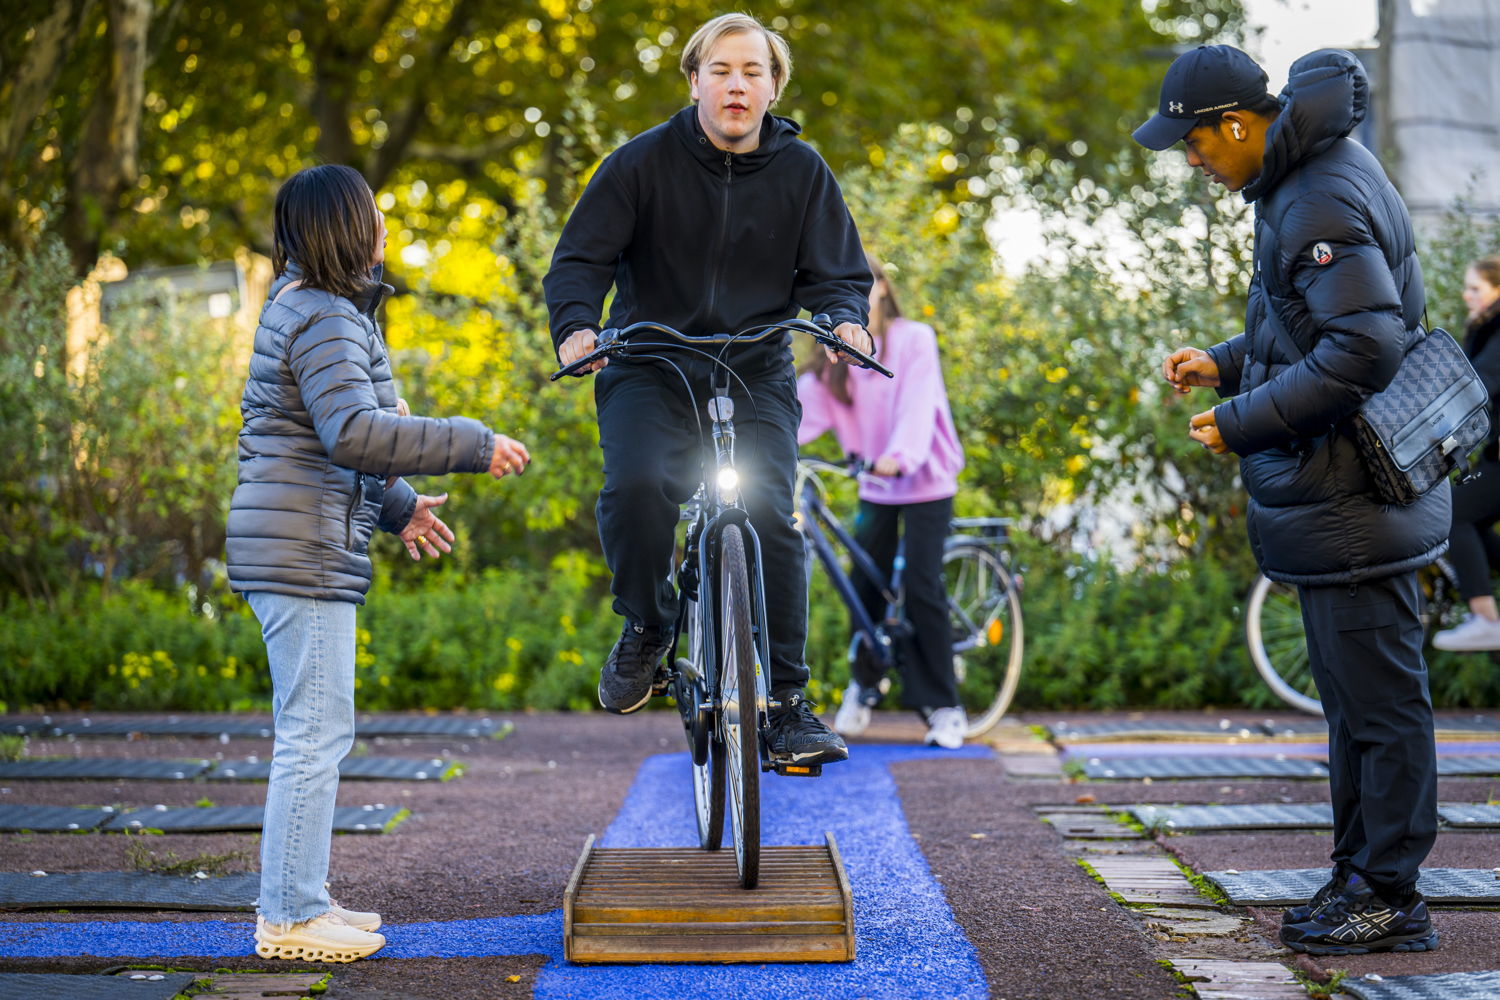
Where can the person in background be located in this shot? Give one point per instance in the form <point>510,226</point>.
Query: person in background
<point>904,428</point>
<point>322,448</point>
<point>1476,501</point>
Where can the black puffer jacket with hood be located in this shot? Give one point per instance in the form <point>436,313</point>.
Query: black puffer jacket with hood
<point>1336,260</point>
<point>320,438</point>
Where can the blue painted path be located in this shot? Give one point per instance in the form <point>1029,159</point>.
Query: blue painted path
<point>908,943</point>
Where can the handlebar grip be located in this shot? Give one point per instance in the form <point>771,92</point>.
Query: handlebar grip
<point>604,343</point>
<point>860,357</point>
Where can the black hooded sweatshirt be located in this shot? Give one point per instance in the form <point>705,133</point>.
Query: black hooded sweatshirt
<point>709,242</point>
<point>1335,259</point>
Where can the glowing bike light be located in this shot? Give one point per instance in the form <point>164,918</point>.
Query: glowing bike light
<point>729,479</point>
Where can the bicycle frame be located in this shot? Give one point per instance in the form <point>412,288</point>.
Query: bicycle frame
<point>815,518</point>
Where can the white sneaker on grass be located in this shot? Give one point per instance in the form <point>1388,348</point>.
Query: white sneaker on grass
<point>946,728</point>
<point>1474,634</point>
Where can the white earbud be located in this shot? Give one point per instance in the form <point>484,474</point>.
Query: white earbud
<point>1235,128</point>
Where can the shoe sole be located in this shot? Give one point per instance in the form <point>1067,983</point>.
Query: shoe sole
<point>1426,943</point>
<point>314,953</point>
<point>622,711</point>
<point>816,757</point>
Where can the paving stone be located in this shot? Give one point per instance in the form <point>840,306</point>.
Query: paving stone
<point>52,819</point>
<point>228,819</point>
<point>1180,921</point>
<point>1148,879</point>
<point>1472,815</point>
<point>1455,765</point>
<point>1219,979</point>
<point>1094,825</point>
<point>258,985</point>
<point>101,769</point>
<point>352,768</point>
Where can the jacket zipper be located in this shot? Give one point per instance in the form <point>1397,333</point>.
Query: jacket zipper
<point>713,288</point>
<point>359,492</point>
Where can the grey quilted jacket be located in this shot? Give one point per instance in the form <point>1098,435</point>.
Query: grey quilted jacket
<point>320,439</point>
<point>1336,261</point>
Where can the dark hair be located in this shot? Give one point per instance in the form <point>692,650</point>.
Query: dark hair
<point>1488,268</point>
<point>326,222</point>
<point>1266,106</point>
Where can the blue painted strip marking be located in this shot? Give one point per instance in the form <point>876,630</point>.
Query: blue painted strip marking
<point>909,944</point>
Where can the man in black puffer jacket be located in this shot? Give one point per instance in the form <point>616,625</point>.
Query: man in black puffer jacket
<point>1335,265</point>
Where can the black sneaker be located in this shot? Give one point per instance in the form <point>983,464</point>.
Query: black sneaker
<point>626,682</point>
<point>797,736</point>
<point>1357,921</point>
<point>1333,887</point>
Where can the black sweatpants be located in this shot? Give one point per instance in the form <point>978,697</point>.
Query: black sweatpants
<point>656,450</point>
<point>1476,508</point>
<point>1364,643</point>
<point>927,679</point>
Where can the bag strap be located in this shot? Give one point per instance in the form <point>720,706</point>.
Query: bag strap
<point>1283,338</point>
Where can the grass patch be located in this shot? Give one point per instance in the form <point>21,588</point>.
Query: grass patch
<point>12,747</point>
<point>143,859</point>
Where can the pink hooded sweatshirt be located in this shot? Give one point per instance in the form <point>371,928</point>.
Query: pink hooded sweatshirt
<point>906,417</point>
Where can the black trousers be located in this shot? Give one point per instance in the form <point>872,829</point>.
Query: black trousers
<point>656,452</point>
<point>1364,643</point>
<point>1476,509</point>
<point>927,679</point>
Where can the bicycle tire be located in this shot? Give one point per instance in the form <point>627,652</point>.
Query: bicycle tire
<point>708,777</point>
<point>741,705</point>
<point>1278,645</point>
<point>984,614</point>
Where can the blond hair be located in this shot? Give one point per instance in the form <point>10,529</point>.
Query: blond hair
<point>707,36</point>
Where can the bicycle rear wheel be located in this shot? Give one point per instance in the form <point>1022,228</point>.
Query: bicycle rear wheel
<point>742,704</point>
<point>1278,646</point>
<point>984,614</point>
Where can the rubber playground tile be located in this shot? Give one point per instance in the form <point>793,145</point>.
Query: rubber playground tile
<point>128,891</point>
<point>231,819</point>
<point>1443,986</point>
<point>1248,816</point>
<point>1470,815</point>
<point>1224,766</point>
<point>431,725</point>
<point>1287,887</point>
<point>52,819</point>
<point>131,986</point>
<point>1217,729</point>
<point>172,725</point>
<point>1076,751</point>
<point>1477,765</point>
<point>353,768</point>
<point>101,768</point>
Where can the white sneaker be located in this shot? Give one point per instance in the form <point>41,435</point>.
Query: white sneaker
<point>325,938</point>
<point>853,716</point>
<point>946,728</point>
<point>1474,634</point>
<point>361,919</point>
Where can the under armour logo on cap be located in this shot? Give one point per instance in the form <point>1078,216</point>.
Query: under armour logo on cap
<point>1175,107</point>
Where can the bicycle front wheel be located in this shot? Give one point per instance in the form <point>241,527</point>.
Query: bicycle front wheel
<point>707,753</point>
<point>984,615</point>
<point>1278,646</point>
<point>742,704</point>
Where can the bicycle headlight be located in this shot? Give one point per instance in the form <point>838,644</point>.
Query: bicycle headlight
<point>729,479</point>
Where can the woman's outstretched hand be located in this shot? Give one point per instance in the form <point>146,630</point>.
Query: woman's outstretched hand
<point>509,456</point>
<point>426,532</point>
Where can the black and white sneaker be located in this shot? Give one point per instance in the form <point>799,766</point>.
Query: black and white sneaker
<point>1333,887</point>
<point>1358,921</point>
<point>629,675</point>
<point>797,736</point>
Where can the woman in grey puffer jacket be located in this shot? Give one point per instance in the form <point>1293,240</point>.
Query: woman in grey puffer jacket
<point>324,444</point>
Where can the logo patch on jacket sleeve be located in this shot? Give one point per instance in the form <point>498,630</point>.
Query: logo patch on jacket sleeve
<point>1322,253</point>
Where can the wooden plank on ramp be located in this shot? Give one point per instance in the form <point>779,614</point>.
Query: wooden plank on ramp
<point>679,904</point>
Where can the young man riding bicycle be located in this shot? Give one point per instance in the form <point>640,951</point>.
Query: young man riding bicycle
<point>714,221</point>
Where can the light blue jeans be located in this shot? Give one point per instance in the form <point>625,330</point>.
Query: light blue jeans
<point>310,645</point>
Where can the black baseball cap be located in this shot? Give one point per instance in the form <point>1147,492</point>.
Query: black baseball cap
<point>1209,79</point>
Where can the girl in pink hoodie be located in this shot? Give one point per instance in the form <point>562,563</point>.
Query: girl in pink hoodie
<point>903,428</point>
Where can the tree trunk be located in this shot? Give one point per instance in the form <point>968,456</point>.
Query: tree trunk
<point>107,157</point>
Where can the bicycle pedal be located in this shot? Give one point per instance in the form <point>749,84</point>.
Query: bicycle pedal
<point>797,770</point>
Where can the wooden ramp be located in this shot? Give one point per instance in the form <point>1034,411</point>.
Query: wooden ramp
<point>681,904</point>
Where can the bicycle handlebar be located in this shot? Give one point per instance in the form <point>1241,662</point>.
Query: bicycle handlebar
<point>615,341</point>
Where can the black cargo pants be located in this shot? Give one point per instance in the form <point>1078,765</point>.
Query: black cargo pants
<point>1364,642</point>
